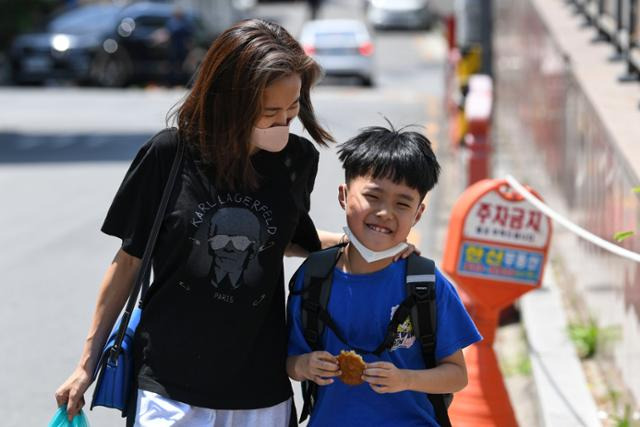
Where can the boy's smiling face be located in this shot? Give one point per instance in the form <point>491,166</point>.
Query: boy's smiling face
<point>380,212</point>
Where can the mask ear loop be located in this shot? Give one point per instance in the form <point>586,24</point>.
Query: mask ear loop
<point>344,200</point>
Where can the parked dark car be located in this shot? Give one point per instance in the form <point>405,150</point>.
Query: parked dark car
<point>111,45</point>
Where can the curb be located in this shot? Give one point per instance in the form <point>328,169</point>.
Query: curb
<point>563,392</point>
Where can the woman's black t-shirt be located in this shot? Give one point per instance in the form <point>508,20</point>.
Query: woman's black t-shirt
<point>212,332</point>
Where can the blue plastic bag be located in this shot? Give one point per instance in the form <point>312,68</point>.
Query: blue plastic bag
<point>60,419</point>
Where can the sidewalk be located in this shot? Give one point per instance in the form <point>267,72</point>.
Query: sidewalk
<point>541,370</point>
<point>511,346</point>
<point>561,390</point>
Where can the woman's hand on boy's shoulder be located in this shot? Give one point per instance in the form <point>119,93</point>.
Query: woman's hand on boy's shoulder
<point>319,367</point>
<point>385,377</point>
<point>411,248</point>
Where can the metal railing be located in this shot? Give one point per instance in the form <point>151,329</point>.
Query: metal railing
<point>580,156</point>
<point>616,22</point>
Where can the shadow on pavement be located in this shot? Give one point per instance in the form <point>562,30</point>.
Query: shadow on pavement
<point>18,148</point>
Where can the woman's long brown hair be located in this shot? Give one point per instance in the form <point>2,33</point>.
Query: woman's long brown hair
<point>221,109</point>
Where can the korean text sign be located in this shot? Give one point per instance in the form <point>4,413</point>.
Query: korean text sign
<point>497,243</point>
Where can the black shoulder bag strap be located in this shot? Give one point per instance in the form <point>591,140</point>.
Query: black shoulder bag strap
<point>420,283</point>
<point>142,278</point>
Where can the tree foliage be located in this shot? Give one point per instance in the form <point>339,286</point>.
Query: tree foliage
<point>19,16</point>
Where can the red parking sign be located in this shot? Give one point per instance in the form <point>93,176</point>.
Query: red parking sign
<point>497,243</point>
<point>496,250</point>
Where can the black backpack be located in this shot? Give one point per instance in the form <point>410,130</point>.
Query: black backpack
<point>420,304</point>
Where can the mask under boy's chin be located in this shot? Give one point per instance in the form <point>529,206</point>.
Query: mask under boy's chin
<point>377,247</point>
<point>372,251</point>
<point>376,241</point>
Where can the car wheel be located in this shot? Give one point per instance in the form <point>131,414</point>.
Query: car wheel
<point>15,78</point>
<point>366,81</point>
<point>111,70</point>
<point>429,23</point>
<point>31,82</point>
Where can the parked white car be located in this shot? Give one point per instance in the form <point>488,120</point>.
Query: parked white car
<point>343,47</point>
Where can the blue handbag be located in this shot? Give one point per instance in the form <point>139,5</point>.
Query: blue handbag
<point>115,368</point>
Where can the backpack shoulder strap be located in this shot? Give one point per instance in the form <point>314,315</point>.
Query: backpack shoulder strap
<point>321,263</point>
<point>318,275</point>
<point>421,284</point>
<point>315,293</point>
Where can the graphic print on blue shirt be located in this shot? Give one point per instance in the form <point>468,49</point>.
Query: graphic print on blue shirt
<point>361,306</point>
<point>404,334</point>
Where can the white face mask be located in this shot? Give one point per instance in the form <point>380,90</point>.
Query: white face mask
<point>373,256</point>
<point>271,139</point>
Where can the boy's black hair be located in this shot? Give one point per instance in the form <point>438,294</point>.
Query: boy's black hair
<point>399,155</point>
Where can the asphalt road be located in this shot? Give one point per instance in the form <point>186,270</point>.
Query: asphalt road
<point>63,153</point>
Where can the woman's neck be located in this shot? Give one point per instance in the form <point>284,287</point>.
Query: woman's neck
<point>352,262</point>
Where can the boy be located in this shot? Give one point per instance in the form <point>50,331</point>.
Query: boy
<point>388,174</point>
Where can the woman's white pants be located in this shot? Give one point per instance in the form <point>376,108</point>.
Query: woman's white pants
<point>154,410</point>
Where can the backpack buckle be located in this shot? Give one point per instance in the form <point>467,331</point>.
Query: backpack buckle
<point>423,293</point>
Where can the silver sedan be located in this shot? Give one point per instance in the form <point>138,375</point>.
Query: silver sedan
<point>342,47</point>
<point>404,14</point>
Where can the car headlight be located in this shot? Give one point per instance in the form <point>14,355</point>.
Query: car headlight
<point>61,42</point>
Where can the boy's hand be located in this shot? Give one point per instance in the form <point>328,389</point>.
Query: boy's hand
<point>384,377</point>
<point>319,367</point>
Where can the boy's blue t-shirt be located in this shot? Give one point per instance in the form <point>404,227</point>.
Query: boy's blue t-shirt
<point>362,306</point>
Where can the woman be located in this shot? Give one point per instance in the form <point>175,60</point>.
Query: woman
<point>211,345</point>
